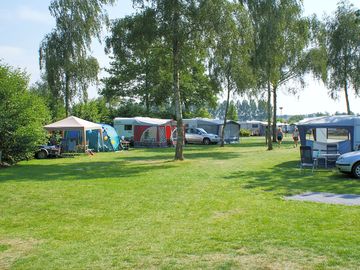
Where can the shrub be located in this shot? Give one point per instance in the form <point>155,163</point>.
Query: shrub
<point>22,116</point>
<point>245,132</point>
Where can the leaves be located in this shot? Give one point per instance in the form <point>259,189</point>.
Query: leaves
<point>343,51</point>
<point>64,52</point>
<point>22,118</point>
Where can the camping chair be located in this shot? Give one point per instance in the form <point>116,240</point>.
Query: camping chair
<point>306,157</point>
<point>331,149</point>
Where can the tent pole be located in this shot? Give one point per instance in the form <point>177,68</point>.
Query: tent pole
<point>102,139</point>
<point>84,139</point>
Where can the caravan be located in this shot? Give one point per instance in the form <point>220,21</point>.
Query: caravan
<point>145,131</point>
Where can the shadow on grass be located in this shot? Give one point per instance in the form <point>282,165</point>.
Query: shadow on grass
<point>78,171</point>
<point>287,179</point>
<point>189,156</point>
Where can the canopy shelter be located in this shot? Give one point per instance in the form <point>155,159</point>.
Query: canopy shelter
<point>343,130</point>
<point>73,123</point>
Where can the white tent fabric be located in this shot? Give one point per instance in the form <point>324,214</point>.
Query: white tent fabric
<point>142,121</point>
<point>73,123</point>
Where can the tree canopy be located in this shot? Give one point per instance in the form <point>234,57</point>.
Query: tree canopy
<point>22,116</point>
<point>64,52</point>
<point>343,52</point>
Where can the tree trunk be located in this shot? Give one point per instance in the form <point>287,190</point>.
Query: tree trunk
<point>346,83</point>
<point>147,100</point>
<point>67,95</point>
<point>176,84</point>
<point>268,129</point>
<point>274,131</point>
<point>226,112</point>
<point>347,97</point>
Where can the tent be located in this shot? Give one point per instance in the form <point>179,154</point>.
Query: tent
<point>110,139</point>
<point>74,125</point>
<point>215,126</point>
<point>145,131</point>
<point>344,131</point>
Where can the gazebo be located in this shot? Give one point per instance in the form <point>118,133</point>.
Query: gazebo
<point>73,123</point>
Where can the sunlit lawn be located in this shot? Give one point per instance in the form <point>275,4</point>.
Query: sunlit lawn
<point>219,209</point>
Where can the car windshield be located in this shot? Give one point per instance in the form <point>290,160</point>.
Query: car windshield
<point>202,130</point>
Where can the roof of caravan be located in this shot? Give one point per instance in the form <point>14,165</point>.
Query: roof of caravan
<point>209,121</point>
<point>142,121</point>
<point>253,122</point>
<point>330,121</point>
<point>72,123</point>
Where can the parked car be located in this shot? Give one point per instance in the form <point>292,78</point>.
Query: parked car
<point>349,163</point>
<point>199,135</point>
<point>45,151</point>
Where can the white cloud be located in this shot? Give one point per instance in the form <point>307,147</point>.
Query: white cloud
<point>29,14</point>
<point>10,52</point>
<point>26,14</point>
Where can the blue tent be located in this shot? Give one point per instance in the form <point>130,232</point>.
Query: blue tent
<point>320,127</point>
<point>110,137</point>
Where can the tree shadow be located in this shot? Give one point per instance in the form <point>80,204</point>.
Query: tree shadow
<point>192,152</point>
<point>287,179</point>
<point>79,171</point>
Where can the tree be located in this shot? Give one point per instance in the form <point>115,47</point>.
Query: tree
<point>181,28</point>
<point>232,44</point>
<point>232,112</point>
<point>141,66</point>
<point>64,52</point>
<point>56,106</point>
<point>281,35</point>
<point>23,115</point>
<point>343,50</point>
<point>94,110</point>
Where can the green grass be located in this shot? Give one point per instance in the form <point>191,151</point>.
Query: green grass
<point>138,209</point>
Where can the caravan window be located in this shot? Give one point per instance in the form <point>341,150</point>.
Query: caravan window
<point>329,134</point>
<point>255,125</point>
<point>339,134</point>
<point>128,127</point>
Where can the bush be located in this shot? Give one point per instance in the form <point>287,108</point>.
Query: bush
<point>23,115</point>
<point>245,132</point>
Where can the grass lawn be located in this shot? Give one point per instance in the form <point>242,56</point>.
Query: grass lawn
<point>219,209</point>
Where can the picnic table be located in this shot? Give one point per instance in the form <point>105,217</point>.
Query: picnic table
<point>318,155</point>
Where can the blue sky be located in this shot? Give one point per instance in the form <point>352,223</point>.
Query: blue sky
<point>23,24</point>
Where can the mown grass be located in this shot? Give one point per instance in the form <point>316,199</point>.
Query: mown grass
<point>138,209</point>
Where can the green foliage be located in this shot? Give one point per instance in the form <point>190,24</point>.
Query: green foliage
<point>295,118</point>
<point>232,112</point>
<point>55,105</point>
<point>22,117</point>
<point>343,47</point>
<point>281,36</point>
<point>230,52</point>
<point>245,132</point>
<point>64,52</point>
<point>141,68</point>
<point>199,112</point>
<point>93,110</point>
<point>181,29</point>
